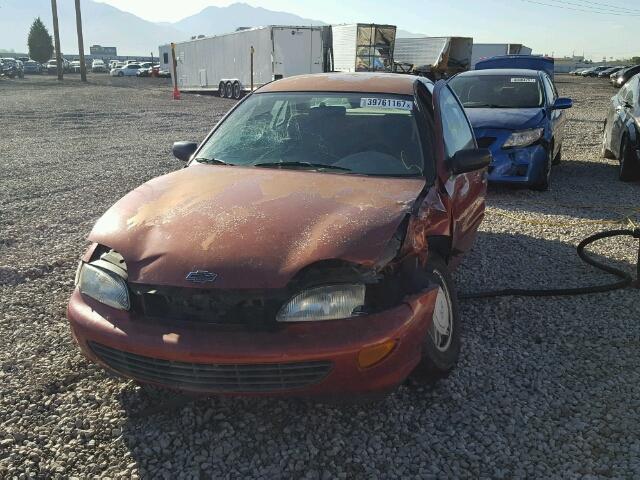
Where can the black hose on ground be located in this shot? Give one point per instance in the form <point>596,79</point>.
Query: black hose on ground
<point>625,281</point>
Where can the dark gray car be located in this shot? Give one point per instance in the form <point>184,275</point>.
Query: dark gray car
<point>621,139</point>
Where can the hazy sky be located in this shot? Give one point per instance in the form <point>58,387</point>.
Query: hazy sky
<point>595,27</point>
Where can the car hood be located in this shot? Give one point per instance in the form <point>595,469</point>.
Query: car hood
<point>254,228</point>
<point>505,118</point>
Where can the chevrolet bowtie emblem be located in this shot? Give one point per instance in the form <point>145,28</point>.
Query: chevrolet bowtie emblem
<point>201,276</point>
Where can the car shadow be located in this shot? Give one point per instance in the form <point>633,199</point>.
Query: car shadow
<point>226,436</point>
<point>567,178</point>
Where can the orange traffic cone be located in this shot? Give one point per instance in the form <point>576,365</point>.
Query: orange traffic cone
<point>176,93</point>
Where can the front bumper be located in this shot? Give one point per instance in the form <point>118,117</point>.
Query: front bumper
<point>518,165</point>
<point>203,346</point>
<point>521,165</point>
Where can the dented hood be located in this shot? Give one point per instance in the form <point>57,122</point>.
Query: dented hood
<point>254,228</point>
<point>506,118</point>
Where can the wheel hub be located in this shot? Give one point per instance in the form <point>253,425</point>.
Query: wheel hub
<point>441,325</point>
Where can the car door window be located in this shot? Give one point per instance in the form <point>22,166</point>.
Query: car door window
<point>549,90</point>
<point>457,132</point>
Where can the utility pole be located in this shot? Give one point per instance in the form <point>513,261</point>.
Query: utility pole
<point>83,66</point>
<point>56,36</point>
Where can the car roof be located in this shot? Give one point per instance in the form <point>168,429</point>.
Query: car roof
<point>500,71</point>
<point>369,82</point>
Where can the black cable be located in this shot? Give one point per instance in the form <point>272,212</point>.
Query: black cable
<point>564,7</point>
<point>625,279</point>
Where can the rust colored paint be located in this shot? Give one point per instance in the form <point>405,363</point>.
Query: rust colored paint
<point>255,228</point>
<point>345,82</point>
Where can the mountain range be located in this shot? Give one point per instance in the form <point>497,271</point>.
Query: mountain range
<point>108,26</point>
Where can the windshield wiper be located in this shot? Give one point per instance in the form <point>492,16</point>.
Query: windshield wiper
<point>300,164</point>
<point>480,105</point>
<point>211,161</point>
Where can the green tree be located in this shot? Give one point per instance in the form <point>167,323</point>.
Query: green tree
<point>40,43</point>
<point>635,60</point>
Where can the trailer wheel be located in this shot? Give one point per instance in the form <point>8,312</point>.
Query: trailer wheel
<point>237,90</point>
<point>221,90</point>
<point>228,90</point>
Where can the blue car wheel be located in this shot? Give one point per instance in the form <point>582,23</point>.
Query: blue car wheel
<point>544,182</point>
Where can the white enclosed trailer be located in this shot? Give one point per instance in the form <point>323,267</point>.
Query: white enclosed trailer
<point>488,50</point>
<point>363,47</point>
<point>435,57</point>
<point>233,62</point>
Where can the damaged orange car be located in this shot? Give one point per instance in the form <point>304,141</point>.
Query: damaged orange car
<point>305,249</point>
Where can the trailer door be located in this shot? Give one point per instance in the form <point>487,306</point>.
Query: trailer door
<point>296,51</point>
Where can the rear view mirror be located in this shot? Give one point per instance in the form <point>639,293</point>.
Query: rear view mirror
<point>469,160</point>
<point>184,150</point>
<point>562,103</point>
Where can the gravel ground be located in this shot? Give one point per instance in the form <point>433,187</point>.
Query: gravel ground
<point>546,387</point>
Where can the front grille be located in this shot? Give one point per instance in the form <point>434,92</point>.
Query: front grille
<point>485,142</point>
<point>257,309</point>
<point>224,378</point>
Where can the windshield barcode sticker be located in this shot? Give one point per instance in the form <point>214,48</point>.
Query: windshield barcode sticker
<point>523,80</point>
<point>391,103</point>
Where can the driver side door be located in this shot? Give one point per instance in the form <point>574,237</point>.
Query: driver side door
<point>467,191</point>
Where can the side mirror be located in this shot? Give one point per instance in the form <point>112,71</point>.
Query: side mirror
<point>562,103</point>
<point>469,160</point>
<point>184,150</point>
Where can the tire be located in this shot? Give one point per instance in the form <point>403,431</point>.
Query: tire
<point>228,90</point>
<point>441,346</point>
<point>629,165</point>
<point>237,90</point>
<point>544,183</point>
<point>222,91</point>
<point>558,158</point>
<point>121,74</point>
<point>605,152</point>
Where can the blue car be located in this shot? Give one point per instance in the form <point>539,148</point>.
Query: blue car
<point>518,115</point>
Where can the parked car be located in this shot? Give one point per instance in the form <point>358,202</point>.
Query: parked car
<point>12,68</point>
<point>128,70</point>
<point>98,66</point>
<point>621,136</point>
<point>608,72</point>
<point>76,66</point>
<point>23,59</point>
<point>518,115</point>
<point>32,67</point>
<point>52,67</point>
<point>623,76</point>
<point>363,211</point>
<point>594,71</point>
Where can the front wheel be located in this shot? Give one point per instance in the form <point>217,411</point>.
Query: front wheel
<point>121,74</point>
<point>441,345</point>
<point>629,165</point>
<point>545,181</point>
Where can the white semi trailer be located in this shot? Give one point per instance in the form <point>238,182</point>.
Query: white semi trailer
<point>233,63</point>
<point>363,47</point>
<point>434,57</point>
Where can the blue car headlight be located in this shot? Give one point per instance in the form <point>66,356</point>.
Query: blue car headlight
<point>524,138</point>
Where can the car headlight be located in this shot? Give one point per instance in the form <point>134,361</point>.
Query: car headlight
<point>524,138</point>
<point>329,302</point>
<point>104,286</point>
